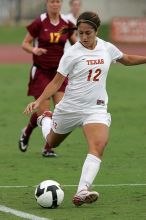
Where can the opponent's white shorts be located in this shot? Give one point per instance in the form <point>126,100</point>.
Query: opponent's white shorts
<point>64,122</point>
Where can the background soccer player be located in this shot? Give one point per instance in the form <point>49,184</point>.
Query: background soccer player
<point>46,44</point>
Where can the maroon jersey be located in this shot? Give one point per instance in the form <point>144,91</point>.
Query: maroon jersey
<point>47,36</point>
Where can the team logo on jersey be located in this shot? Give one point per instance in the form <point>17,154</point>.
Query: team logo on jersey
<point>100,102</point>
<point>93,62</point>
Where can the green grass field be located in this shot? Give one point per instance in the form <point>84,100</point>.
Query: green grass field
<point>12,34</point>
<point>123,162</point>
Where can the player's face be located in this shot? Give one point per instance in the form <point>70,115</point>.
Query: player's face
<point>87,35</point>
<point>54,6</point>
<point>75,7</point>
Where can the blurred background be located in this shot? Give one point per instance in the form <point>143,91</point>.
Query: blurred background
<point>122,21</point>
<point>12,11</point>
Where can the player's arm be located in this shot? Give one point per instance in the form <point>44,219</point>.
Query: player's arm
<point>28,47</point>
<point>130,60</point>
<point>49,91</point>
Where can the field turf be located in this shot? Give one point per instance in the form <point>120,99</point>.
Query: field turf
<point>123,165</point>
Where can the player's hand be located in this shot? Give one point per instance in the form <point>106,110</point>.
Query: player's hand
<point>39,51</point>
<point>30,107</point>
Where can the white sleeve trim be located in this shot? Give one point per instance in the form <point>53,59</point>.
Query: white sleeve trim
<point>64,17</point>
<point>43,16</point>
<point>63,74</point>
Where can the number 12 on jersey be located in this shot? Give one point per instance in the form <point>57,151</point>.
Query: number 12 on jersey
<point>94,75</point>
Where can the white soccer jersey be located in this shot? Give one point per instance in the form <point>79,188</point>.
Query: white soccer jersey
<point>87,72</point>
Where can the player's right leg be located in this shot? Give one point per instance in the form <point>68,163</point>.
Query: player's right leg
<point>47,150</point>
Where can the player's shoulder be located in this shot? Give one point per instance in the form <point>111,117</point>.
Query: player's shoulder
<point>105,44</point>
<point>71,18</point>
<point>102,42</point>
<point>43,16</point>
<point>38,20</point>
<point>75,47</point>
<point>74,50</point>
<point>65,18</point>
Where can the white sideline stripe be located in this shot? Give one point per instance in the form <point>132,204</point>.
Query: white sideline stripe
<point>20,214</point>
<point>111,185</point>
<point>97,185</point>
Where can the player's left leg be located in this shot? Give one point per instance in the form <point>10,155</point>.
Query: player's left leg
<point>97,138</point>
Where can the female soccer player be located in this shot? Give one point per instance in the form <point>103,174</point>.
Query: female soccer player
<point>46,44</point>
<point>85,101</point>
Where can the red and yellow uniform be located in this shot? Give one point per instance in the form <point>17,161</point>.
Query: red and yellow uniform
<point>46,35</point>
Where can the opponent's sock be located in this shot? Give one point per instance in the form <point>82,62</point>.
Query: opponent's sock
<point>31,125</point>
<point>89,171</point>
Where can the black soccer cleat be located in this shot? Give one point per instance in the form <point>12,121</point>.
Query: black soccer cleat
<point>23,141</point>
<point>48,153</point>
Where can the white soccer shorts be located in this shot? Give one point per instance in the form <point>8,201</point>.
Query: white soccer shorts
<point>64,122</point>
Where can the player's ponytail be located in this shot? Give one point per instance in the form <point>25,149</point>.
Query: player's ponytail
<point>68,30</point>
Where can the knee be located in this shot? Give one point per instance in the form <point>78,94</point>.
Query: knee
<point>100,143</point>
<point>97,147</point>
<point>41,110</point>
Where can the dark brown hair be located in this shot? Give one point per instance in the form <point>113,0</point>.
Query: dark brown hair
<point>90,18</point>
<point>86,17</point>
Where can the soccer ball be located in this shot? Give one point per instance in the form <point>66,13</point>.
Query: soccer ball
<point>49,194</point>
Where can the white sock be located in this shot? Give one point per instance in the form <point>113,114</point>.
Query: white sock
<point>46,126</point>
<point>89,171</point>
